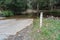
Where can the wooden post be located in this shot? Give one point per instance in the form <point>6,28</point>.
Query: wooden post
<point>41,18</point>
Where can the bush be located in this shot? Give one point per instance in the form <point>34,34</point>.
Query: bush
<point>53,12</point>
<point>6,13</point>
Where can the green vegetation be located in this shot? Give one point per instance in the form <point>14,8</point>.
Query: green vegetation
<point>7,13</point>
<point>15,6</point>
<point>53,12</point>
<point>49,31</point>
<point>18,6</point>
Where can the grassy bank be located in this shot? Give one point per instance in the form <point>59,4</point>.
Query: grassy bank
<point>49,31</point>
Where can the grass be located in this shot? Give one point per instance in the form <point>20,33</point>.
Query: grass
<point>49,31</point>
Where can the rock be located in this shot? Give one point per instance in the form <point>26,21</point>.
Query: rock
<point>2,18</point>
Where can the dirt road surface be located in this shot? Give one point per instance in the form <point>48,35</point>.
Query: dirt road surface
<point>12,26</point>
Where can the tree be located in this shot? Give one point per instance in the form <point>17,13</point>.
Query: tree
<point>43,4</point>
<point>14,5</point>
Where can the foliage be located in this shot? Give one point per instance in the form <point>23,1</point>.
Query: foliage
<point>7,13</point>
<point>18,6</point>
<point>45,4</point>
<point>13,5</point>
<point>22,4</point>
<point>55,13</point>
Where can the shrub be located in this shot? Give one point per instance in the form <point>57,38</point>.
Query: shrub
<point>6,13</point>
<point>53,12</point>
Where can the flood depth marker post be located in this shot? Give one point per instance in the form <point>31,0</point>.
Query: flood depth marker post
<point>41,18</point>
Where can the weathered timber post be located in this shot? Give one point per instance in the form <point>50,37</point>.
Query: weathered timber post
<point>41,18</point>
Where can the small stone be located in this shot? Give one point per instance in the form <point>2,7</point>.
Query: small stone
<point>38,31</point>
<point>2,18</point>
